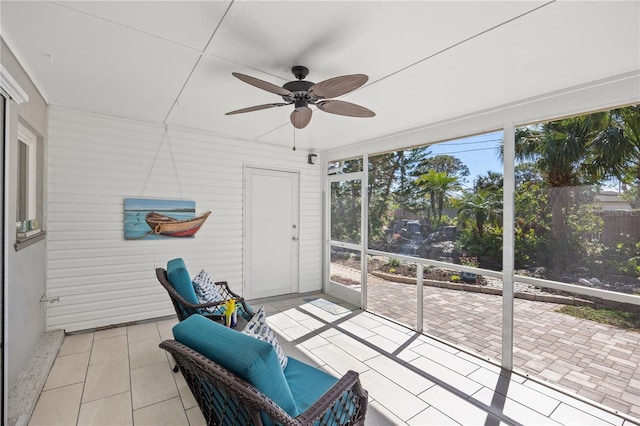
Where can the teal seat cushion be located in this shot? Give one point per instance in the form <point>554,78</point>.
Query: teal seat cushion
<point>307,383</point>
<point>179,278</point>
<point>248,358</point>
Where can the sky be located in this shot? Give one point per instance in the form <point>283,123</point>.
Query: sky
<point>162,205</point>
<point>479,153</point>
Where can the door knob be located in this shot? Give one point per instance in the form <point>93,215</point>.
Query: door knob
<point>294,238</point>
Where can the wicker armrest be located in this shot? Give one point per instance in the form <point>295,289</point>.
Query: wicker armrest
<point>228,293</point>
<point>161,275</point>
<point>186,304</point>
<point>333,407</point>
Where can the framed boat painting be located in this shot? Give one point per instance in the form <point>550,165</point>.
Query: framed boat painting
<point>152,219</point>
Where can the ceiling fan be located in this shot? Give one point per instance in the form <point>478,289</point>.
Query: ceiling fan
<point>301,93</point>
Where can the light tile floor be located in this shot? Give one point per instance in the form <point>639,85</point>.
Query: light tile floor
<point>119,376</point>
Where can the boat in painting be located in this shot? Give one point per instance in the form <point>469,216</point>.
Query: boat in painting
<point>165,225</point>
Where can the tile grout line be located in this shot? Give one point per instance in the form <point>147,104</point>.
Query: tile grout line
<point>86,373</point>
<point>130,381</point>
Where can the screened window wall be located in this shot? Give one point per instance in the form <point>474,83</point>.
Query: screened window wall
<point>441,203</point>
<point>540,273</point>
<point>345,229</point>
<point>577,254</point>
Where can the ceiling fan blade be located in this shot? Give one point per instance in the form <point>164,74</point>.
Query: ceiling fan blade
<point>261,84</point>
<point>256,108</point>
<point>345,108</point>
<point>300,117</point>
<point>338,86</point>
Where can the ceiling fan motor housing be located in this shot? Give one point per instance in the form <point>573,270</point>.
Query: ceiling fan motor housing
<point>300,90</point>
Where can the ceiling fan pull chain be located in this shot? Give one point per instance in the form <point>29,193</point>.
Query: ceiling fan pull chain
<point>294,138</point>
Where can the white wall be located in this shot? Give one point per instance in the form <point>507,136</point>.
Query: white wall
<point>96,161</point>
<point>25,269</point>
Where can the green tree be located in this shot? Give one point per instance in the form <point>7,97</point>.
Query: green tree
<point>412,193</point>
<point>390,176</point>
<point>407,194</point>
<point>444,163</point>
<point>481,207</point>
<point>578,151</point>
<point>559,150</point>
<point>382,175</point>
<point>345,211</point>
<point>532,224</point>
<point>526,172</point>
<point>615,148</point>
<point>438,187</point>
<point>492,181</point>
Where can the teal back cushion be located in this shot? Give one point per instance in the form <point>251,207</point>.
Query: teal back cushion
<point>248,358</point>
<point>180,280</point>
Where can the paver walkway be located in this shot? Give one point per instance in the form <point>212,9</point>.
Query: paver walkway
<point>596,361</point>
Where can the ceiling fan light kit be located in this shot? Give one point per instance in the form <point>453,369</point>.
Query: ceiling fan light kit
<point>302,93</point>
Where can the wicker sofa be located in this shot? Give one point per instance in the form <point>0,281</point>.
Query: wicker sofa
<point>238,380</point>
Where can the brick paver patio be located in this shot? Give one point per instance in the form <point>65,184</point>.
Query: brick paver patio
<point>596,361</point>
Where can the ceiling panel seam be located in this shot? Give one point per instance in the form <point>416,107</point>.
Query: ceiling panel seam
<point>202,53</point>
<point>461,42</point>
<point>193,49</point>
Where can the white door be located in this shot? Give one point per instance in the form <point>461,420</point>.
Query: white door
<point>271,233</point>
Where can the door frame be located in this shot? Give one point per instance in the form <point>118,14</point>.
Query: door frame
<point>246,235</point>
<point>4,232</point>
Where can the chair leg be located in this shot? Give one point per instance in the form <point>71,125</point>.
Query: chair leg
<point>175,367</point>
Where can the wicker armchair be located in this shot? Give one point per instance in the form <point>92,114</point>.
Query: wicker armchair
<point>185,309</point>
<point>226,399</point>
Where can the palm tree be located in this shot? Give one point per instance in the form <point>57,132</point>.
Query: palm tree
<point>438,187</point>
<point>616,147</point>
<point>578,151</point>
<point>558,156</point>
<point>481,206</point>
<point>493,181</point>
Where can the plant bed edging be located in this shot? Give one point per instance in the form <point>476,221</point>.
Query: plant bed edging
<point>548,298</point>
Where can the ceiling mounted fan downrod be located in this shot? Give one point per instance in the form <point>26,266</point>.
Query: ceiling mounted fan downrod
<point>300,72</point>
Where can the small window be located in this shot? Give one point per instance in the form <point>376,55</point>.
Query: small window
<point>344,166</point>
<point>27,190</point>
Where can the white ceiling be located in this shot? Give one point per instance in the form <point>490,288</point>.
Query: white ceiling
<point>171,61</point>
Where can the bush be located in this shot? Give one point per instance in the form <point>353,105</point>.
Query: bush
<point>469,261</point>
<point>454,278</point>
<point>393,262</point>
<point>488,245</point>
<point>623,257</point>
